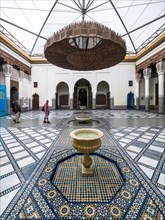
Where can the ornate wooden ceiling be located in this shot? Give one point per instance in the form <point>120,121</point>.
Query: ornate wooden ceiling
<point>85,46</point>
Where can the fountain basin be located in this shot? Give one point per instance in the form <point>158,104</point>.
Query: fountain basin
<point>83,118</point>
<point>86,140</point>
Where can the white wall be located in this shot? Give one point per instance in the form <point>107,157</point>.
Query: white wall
<point>49,76</point>
<point>24,93</point>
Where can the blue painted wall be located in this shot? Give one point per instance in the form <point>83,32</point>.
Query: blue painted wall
<point>3,100</point>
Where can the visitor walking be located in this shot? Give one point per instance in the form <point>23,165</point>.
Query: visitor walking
<point>17,109</point>
<point>46,110</point>
<point>13,108</point>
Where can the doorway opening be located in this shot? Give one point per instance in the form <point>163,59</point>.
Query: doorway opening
<point>14,91</point>
<point>35,102</point>
<point>82,95</point>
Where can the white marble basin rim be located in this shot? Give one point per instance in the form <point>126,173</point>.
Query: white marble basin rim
<point>86,134</point>
<point>83,118</point>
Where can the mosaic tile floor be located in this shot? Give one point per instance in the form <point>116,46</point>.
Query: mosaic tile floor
<point>71,184</point>
<point>26,147</point>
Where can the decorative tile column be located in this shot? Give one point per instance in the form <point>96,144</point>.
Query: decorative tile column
<point>7,71</point>
<point>147,75</point>
<point>137,90</point>
<point>161,72</point>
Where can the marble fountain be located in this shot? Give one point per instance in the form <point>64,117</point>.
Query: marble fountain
<point>83,117</point>
<point>86,141</point>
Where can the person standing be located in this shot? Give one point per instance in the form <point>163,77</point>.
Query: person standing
<point>13,108</point>
<point>46,110</point>
<point>17,109</point>
<point>13,105</point>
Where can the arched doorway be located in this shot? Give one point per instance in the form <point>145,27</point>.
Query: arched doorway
<point>82,94</point>
<point>62,95</point>
<point>35,102</point>
<point>130,100</point>
<point>103,95</point>
<point>82,97</point>
<point>13,94</point>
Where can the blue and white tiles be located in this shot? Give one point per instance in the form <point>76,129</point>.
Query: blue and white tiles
<point>23,146</point>
<point>147,149</point>
<point>20,149</point>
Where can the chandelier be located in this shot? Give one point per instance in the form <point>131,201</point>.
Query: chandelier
<point>85,46</point>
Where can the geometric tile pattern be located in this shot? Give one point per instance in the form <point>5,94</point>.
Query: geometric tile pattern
<point>24,147</point>
<point>101,187</point>
<point>107,114</point>
<point>20,151</point>
<point>146,146</point>
<point>39,114</point>
<point>40,199</point>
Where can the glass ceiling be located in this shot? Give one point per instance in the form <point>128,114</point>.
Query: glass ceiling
<point>28,23</point>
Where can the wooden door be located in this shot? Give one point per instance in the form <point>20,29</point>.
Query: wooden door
<point>35,102</point>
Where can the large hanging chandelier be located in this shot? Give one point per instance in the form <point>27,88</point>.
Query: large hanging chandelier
<point>85,46</point>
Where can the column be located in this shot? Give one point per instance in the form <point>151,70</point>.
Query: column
<point>21,75</point>
<point>147,75</point>
<point>109,100</point>
<point>112,102</point>
<point>71,92</point>
<point>29,93</point>
<point>137,89</point>
<point>161,72</point>
<point>54,102</point>
<point>71,102</point>
<point>94,100</point>
<point>7,71</point>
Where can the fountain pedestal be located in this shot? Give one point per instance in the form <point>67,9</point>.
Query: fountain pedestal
<point>86,140</point>
<point>87,168</point>
<point>83,117</point>
<point>82,108</point>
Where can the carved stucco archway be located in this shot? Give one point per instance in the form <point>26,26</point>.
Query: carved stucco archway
<point>103,95</point>
<point>62,95</point>
<point>82,87</point>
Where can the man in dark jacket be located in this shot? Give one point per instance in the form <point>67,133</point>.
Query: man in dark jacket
<point>17,109</point>
<point>13,108</point>
<point>13,105</point>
